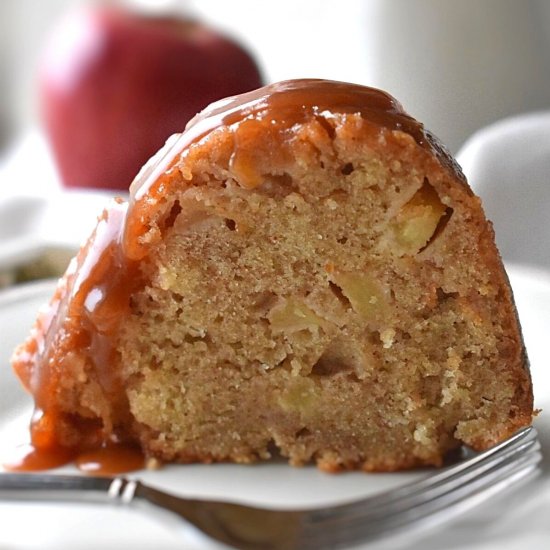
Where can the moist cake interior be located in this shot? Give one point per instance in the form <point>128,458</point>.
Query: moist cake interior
<point>330,289</point>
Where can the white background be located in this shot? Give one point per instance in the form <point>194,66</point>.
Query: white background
<point>455,65</point>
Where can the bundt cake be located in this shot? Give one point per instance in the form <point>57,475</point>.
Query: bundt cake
<point>303,271</point>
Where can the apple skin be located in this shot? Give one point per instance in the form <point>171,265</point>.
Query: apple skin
<point>115,84</point>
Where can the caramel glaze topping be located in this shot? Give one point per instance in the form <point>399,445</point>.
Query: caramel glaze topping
<point>92,299</point>
<point>81,320</point>
<point>277,107</point>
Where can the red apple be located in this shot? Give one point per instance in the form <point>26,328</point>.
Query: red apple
<point>115,84</point>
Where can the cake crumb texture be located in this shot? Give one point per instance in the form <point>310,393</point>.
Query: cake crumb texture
<point>350,310</point>
<point>329,291</point>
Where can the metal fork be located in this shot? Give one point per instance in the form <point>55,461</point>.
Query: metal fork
<point>446,493</point>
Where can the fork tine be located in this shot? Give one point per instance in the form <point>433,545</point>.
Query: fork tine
<point>438,496</point>
<point>454,493</point>
<point>391,502</point>
<point>434,484</point>
<point>445,493</point>
<point>462,493</point>
<point>438,511</point>
<point>251,528</point>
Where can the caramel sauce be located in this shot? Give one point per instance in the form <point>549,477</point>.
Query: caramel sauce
<point>82,320</point>
<point>28,458</point>
<point>111,459</point>
<point>279,106</point>
<point>108,459</point>
<point>84,316</point>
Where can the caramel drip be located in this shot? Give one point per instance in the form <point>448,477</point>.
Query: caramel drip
<point>93,298</point>
<point>82,321</point>
<point>108,459</point>
<point>281,105</point>
<point>28,458</point>
<point>111,459</point>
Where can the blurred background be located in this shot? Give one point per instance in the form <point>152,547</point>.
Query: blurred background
<point>456,66</point>
<point>80,96</point>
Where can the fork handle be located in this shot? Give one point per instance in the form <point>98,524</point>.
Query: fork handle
<point>66,488</point>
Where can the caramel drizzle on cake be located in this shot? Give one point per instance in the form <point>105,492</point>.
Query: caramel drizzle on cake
<point>95,294</point>
<point>276,107</point>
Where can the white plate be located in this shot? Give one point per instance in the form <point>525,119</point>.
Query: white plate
<point>518,520</point>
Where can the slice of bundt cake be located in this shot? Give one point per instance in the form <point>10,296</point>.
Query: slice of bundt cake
<point>305,268</point>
